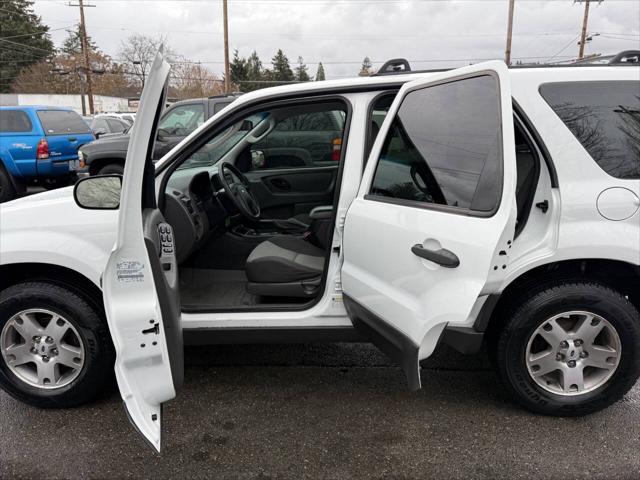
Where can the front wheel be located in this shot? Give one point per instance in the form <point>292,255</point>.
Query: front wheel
<point>570,348</point>
<point>55,347</point>
<point>112,169</point>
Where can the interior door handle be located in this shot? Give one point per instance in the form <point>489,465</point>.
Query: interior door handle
<point>280,184</point>
<point>443,257</point>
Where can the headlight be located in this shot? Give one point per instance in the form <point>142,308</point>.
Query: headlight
<point>80,155</point>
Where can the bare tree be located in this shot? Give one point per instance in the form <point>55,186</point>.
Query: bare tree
<point>192,79</point>
<point>136,54</point>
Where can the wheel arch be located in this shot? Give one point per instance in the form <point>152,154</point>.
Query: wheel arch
<point>14,273</point>
<point>622,276</point>
<point>96,165</point>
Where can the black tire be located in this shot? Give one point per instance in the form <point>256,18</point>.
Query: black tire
<point>528,311</point>
<point>97,371</point>
<point>7,192</point>
<point>112,169</point>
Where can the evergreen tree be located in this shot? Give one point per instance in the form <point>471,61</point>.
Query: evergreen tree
<point>367,68</point>
<point>25,40</point>
<point>301,71</point>
<point>281,70</point>
<point>72,45</point>
<point>320,73</point>
<point>238,70</point>
<point>255,72</point>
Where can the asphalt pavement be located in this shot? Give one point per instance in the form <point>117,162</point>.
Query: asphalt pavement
<point>334,411</point>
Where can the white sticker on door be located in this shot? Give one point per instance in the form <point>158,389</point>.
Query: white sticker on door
<point>129,271</point>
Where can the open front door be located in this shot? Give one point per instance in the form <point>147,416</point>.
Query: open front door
<point>430,230</point>
<point>140,281</point>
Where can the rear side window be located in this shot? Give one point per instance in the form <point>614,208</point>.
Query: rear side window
<point>605,118</point>
<point>62,122</point>
<point>14,121</point>
<point>444,147</point>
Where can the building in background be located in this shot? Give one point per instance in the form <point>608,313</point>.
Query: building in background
<point>102,103</point>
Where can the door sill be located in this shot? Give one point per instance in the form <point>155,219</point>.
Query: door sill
<point>273,335</point>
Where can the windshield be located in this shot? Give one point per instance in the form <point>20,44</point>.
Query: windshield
<point>216,148</point>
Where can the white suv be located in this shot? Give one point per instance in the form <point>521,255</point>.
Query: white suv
<point>478,204</point>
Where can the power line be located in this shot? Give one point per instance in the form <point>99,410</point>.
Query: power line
<point>34,34</point>
<point>25,46</point>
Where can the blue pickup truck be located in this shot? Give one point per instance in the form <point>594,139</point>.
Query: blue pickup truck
<point>39,145</point>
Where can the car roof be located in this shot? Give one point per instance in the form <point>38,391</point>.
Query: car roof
<point>397,80</point>
<point>35,107</point>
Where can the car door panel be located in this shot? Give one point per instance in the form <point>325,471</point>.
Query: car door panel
<point>283,193</point>
<point>413,267</point>
<point>140,280</point>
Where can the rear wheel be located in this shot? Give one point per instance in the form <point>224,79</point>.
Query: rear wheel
<point>112,169</point>
<point>569,348</point>
<point>7,192</point>
<point>55,348</point>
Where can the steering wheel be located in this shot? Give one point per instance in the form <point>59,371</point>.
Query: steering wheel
<point>238,189</point>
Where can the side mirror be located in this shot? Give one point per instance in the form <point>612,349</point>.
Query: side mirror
<point>99,132</point>
<point>98,193</point>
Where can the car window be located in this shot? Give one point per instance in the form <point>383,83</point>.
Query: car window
<point>62,122</point>
<point>216,148</point>
<point>100,124</point>
<point>303,139</point>
<point>14,121</point>
<point>378,112</point>
<point>116,126</point>
<point>183,120</point>
<point>605,118</point>
<point>219,106</point>
<point>443,147</point>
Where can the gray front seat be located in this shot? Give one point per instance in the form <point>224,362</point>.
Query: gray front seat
<point>285,266</point>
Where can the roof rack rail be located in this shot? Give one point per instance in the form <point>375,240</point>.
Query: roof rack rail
<point>394,66</point>
<point>398,66</point>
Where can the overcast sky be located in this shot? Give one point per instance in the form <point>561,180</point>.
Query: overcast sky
<point>340,33</point>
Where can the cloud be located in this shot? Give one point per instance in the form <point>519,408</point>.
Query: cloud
<point>431,33</point>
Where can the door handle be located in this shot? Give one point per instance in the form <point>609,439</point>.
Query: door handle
<point>280,184</point>
<point>442,256</point>
<point>73,139</point>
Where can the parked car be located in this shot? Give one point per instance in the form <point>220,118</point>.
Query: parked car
<point>39,145</point>
<point>128,117</point>
<point>107,155</point>
<point>494,205</point>
<point>104,125</point>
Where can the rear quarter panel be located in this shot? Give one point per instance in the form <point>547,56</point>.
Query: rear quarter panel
<point>577,229</point>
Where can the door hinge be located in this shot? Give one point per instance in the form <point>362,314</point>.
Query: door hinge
<point>544,206</point>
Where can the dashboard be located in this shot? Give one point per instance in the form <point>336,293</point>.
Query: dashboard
<point>193,209</point>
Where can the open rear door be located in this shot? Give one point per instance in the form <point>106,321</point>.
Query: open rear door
<point>140,281</point>
<point>430,230</point>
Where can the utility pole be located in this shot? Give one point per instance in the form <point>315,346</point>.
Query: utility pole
<point>85,51</point>
<point>507,52</point>
<point>225,19</point>
<point>583,35</point>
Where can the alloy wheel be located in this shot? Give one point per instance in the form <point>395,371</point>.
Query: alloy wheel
<point>42,348</point>
<point>573,353</point>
